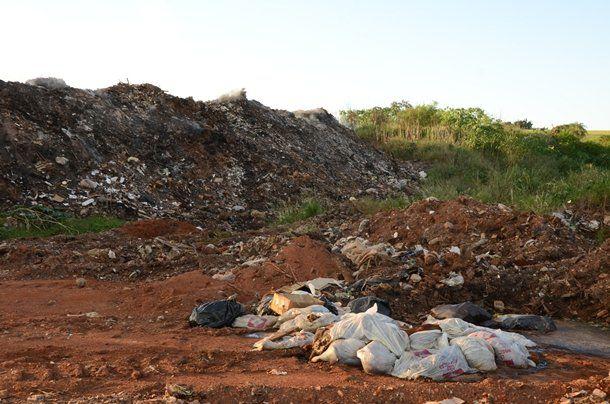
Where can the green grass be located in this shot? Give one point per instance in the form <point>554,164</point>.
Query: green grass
<point>599,136</point>
<point>301,211</point>
<point>531,173</point>
<point>369,206</point>
<point>23,222</point>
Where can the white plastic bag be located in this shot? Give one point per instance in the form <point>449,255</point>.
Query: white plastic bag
<point>309,322</point>
<point>342,351</point>
<point>371,326</point>
<point>478,352</point>
<point>506,351</point>
<point>253,322</point>
<point>404,366</point>
<point>444,364</point>
<point>425,339</point>
<point>292,313</point>
<point>289,341</point>
<point>456,327</point>
<point>376,358</point>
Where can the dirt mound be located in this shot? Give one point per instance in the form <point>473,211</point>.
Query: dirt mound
<point>530,263</point>
<point>156,227</point>
<point>136,151</point>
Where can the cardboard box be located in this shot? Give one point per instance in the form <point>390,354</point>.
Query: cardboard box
<point>282,302</point>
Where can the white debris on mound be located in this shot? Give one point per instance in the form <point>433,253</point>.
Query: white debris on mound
<point>234,95</point>
<point>52,83</point>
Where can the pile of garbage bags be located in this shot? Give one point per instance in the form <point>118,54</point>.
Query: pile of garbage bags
<point>378,344</point>
<point>363,334</point>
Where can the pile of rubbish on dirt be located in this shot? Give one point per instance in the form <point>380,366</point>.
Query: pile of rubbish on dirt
<point>363,333</point>
<point>135,151</point>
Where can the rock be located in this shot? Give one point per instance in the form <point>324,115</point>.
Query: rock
<point>133,159</point>
<point>455,250</point>
<point>61,160</point>
<point>258,214</point>
<point>57,198</point>
<point>371,191</point>
<point>422,174</point>
<point>415,278</point>
<point>499,305</point>
<point>455,279</point>
<point>363,227</point>
<point>4,394</point>
<point>238,208</point>
<point>448,225</point>
<point>81,282</point>
<point>467,311</point>
<point>597,393</point>
<point>88,184</point>
<point>225,276</point>
<point>607,220</point>
<point>434,241</point>
<point>111,254</point>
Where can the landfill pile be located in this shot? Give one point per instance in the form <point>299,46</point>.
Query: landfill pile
<point>135,151</point>
<point>201,299</point>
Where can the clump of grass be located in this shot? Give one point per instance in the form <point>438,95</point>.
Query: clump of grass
<point>22,222</point>
<point>369,206</point>
<point>301,211</point>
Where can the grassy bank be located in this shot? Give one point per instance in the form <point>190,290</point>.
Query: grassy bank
<point>470,153</point>
<point>22,222</point>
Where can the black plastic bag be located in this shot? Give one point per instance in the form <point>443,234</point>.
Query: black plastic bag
<point>523,322</point>
<point>467,311</point>
<point>216,314</point>
<point>364,303</point>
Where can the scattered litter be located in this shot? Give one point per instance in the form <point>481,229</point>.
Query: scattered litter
<point>276,372</point>
<point>282,302</point>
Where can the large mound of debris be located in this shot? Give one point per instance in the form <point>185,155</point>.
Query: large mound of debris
<point>134,150</point>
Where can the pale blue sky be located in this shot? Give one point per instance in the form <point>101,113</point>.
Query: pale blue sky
<point>545,60</point>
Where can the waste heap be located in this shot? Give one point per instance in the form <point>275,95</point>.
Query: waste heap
<point>439,349</point>
<point>135,151</point>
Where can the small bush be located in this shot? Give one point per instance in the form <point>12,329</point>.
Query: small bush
<point>369,206</point>
<point>301,211</point>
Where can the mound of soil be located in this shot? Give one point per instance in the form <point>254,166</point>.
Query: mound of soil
<point>530,263</point>
<point>156,227</point>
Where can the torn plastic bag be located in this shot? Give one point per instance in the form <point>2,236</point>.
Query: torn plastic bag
<point>342,351</point>
<point>299,339</point>
<point>364,303</point>
<point>371,326</point>
<point>443,364</point>
<point>522,322</point>
<point>253,322</point>
<point>216,314</point>
<point>425,339</point>
<point>478,352</point>
<point>309,322</point>
<point>466,311</point>
<point>506,351</point>
<point>376,358</point>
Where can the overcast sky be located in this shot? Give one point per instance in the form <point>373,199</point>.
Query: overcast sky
<point>546,60</point>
